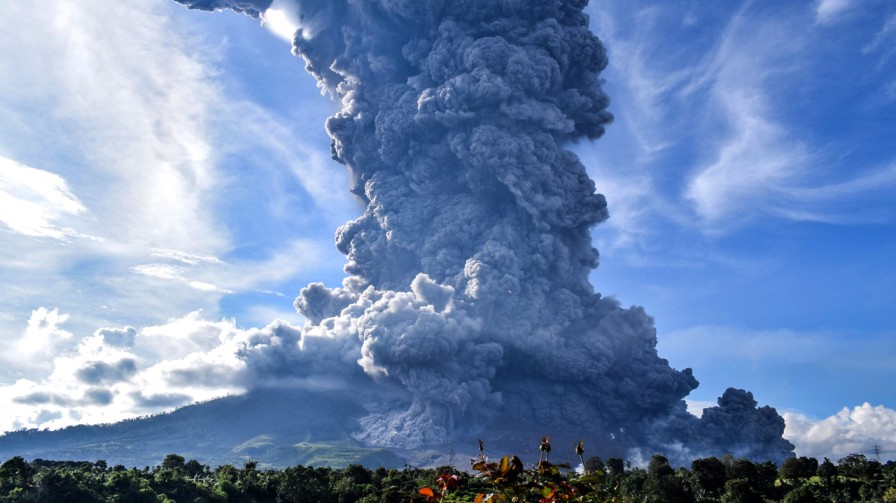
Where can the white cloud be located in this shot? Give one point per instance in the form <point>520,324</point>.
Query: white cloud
<point>882,45</point>
<point>260,315</point>
<point>163,271</point>
<point>182,336</point>
<point>631,199</point>
<point>281,263</point>
<point>845,201</point>
<point>112,101</point>
<point>311,166</point>
<point>206,287</point>
<point>115,374</point>
<point>186,258</point>
<point>717,92</point>
<point>696,407</point>
<point>828,11</point>
<point>754,163</point>
<point>644,83</point>
<point>213,275</point>
<point>42,339</point>
<point>715,112</point>
<point>649,79</point>
<point>880,39</point>
<point>750,158</point>
<point>752,168</point>
<point>100,380</point>
<point>117,86</point>
<point>125,108</point>
<point>33,200</point>
<point>281,17</point>
<point>850,431</point>
<point>176,273</point>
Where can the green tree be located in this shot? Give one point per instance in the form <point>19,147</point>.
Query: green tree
<point>15,473</point>
<point>615,468</point>
<point>127,486</point>
<point>802,494</point>
<point>827,472</point>
<point>740,491</point>
<point>594,464</point>
<point>663,484</point>
<point>65,485</point>
<point>889,495</point>
<point>173,462</point>
<point>195,469</point>
<point>633,484</point>
<point>301,484</point>
<point>765,481</point>
<point>742,469</point>
<point>171,483</point>
<point>799,469</point>
<point>855,466</point>
<point>708,477</point>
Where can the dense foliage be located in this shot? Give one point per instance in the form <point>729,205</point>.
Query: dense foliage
<point>853,478</point>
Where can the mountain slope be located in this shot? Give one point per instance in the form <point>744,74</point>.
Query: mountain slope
<point>272,426</point>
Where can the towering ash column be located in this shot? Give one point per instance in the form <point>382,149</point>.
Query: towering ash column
<point>467,297</point>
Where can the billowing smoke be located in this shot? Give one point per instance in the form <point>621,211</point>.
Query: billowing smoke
<point>467,301</point>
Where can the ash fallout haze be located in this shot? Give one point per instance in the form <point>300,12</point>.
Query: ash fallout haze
<point>163,167</point>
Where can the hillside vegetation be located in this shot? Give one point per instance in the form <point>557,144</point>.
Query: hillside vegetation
<point>853,479</point>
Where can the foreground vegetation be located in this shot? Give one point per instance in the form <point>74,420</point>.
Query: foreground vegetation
<point>854,478</point>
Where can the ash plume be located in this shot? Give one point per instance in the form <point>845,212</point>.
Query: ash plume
<point>467,298</point>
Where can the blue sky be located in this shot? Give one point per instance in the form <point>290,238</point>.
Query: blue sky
<point>167,170</point>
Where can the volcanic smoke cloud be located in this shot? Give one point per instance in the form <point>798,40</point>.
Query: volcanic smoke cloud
<point>467,299</point>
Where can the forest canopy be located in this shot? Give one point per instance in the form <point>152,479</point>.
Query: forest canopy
<point>175,479</point>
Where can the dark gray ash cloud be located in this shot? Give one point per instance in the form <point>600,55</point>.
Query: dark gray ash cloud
<point>467,296</point>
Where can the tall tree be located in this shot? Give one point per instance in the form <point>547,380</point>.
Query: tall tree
<point>708,476</point>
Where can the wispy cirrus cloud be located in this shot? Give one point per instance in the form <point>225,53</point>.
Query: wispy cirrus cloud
<point>156,170</point>
<point>887,31</point>
<point>715,108</point>
<point>759,165</point>
<point>213,274</point>
<point>828,11</point>
<point>643,80</point>
<point>748,157</point>
<point>131,108</point>
<point>115,110</point>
